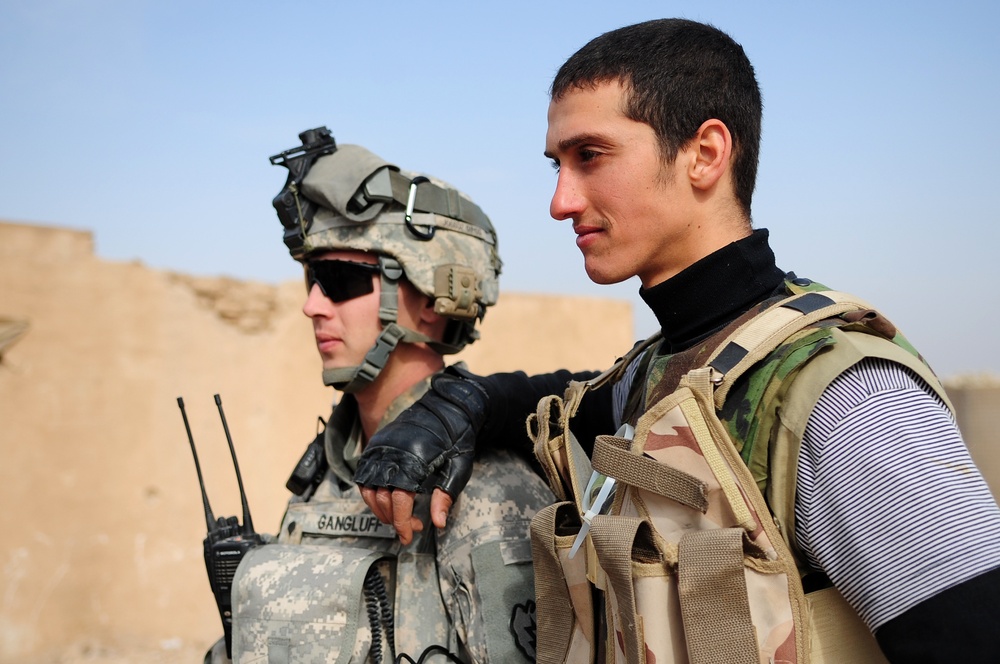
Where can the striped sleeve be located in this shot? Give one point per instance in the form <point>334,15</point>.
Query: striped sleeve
<point>889,503</point>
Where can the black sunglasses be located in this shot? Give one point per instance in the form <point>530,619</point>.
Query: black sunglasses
<point>341,280</point>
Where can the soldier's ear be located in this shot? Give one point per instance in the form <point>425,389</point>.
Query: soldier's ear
<point>432,323</point>
<point>427,313</point>
<point>708,154</point>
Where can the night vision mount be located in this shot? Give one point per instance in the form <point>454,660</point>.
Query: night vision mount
<point>294,210</point>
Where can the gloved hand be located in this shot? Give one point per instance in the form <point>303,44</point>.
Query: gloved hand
<point>436,435</point>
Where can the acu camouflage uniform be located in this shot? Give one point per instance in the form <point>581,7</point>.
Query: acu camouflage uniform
<point>338,586</point>
<point>468,587</point>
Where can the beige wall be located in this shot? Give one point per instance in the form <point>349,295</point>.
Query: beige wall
<point>102,522</point>
<point>977,407</point>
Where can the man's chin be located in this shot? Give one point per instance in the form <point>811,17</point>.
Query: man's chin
<point>605,276</point>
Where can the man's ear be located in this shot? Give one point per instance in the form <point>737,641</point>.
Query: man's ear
<point>709,153</point>
<point>427,313</point>
<point>432,323</point>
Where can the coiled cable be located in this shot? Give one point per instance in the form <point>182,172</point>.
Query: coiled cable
<point>379,615</point>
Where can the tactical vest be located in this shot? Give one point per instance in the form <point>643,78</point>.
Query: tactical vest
<point>696,558</point>
<point>338,586</point>
<point>328,591</point>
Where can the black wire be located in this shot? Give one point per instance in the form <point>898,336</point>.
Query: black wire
<point>379,614</point>
<point>430,650</point>
<point>387,617</point>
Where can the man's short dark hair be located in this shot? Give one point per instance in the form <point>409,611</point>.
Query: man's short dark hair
<point>678,74</point>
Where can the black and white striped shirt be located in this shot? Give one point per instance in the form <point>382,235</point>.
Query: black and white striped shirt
<point>889,503</point>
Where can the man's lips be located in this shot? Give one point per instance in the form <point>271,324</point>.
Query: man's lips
<point>586,235</point>
<point>325,342</point>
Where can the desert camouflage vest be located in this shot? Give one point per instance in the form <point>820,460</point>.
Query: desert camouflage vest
<point>694,563</point>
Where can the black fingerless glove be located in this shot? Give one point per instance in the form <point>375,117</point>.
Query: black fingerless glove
<point>436,435</point>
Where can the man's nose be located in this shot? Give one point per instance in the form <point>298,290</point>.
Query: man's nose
<point>316,304</point>
<point>567,203</point>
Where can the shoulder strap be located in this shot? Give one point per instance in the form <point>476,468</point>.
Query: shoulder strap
<point>756,338</point>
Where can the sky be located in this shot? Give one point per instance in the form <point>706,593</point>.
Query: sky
<point>150,124</point>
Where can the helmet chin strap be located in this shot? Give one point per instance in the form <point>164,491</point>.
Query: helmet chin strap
<point>354,379</point>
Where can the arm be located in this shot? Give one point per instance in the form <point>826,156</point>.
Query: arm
<point>956,625</point>
<point>440,434</point>
<point>891,507</point>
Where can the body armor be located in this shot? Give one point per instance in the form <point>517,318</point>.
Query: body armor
<point>693,563</point>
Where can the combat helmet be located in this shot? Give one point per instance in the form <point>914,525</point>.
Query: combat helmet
<point>345,197</point>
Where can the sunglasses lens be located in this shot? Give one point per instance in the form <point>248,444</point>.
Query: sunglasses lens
<point>342,280</point>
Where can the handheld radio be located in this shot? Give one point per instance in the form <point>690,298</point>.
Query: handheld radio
<point>227,541</point>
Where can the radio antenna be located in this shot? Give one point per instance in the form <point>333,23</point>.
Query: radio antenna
<point>247,522</point>
<point>209,517</point>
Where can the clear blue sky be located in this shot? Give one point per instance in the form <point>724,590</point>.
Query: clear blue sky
<point>150,123</point>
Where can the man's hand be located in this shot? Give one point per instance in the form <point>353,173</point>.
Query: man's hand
<point>435,437</point>
<point>395,506</point>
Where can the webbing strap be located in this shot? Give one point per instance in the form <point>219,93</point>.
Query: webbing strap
<point>715,606</point>
<point>613,538</point>
<point>352,379</point>
<point>612,458</point>
<point>553,607</point>
<point>434,199</point>
<point>756,338</point>
<point>562,458</point>
<point>699,418</point>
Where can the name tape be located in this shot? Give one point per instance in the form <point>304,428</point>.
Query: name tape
<point>356,525</point>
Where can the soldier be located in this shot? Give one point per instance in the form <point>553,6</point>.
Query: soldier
<point>399,268</point>
<point>654,129</point>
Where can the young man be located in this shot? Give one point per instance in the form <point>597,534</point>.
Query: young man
<point>399,269</point>
<point>654,129</point>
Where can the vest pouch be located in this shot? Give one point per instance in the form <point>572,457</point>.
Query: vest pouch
<point>305,604</point>
<point>561,582</point>
<point>641,599</point>
<point>559,453</point>
<point>695,574</point>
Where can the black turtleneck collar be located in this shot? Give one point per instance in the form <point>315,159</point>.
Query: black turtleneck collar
<point>714,291</point>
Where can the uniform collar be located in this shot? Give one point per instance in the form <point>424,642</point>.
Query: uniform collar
<point>344,430</point>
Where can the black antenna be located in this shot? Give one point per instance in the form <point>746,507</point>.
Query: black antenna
<point>209,517</point>
<point>247,523</point>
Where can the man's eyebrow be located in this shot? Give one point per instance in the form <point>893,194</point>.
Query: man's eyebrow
<point>574,141</point>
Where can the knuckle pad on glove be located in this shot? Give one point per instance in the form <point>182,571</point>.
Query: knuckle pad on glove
<point>438,431</point>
